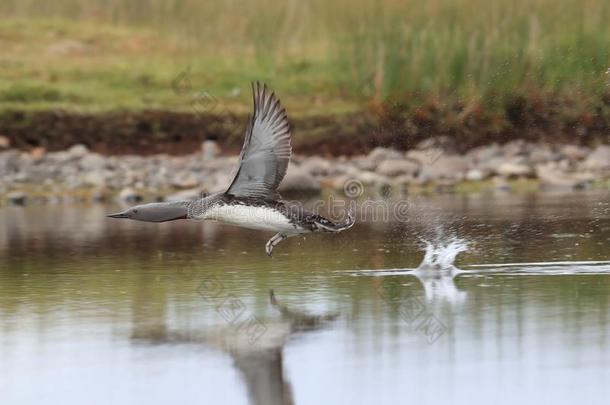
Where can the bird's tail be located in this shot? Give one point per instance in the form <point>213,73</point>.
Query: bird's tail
<point>339,226</point>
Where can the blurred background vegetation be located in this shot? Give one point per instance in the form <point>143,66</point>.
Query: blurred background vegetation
<point>323,56</point>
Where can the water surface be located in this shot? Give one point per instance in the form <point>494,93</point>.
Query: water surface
<point>501,298</point>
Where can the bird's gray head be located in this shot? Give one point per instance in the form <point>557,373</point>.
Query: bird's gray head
<point>154,212</point>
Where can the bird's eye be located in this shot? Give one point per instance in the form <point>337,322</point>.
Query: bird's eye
<point>135,211</point>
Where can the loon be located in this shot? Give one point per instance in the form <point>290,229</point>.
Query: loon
<point>251,200</point>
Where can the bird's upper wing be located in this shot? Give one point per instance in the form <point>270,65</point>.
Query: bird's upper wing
<point>266,152</point>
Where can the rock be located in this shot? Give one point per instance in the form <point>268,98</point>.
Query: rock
<point>186,195</point>
<point>542,154</point>
<point>395,167</point>
<point>129,195</point>
<point>491,165</point>
<point>550,176</point>
<point>587,177</point>
<point>372,178</point>
<point>477,174</point>
<point>451,167</point>
<point>92,161</point>
<point>16,198</point>
<point>316,166</point>
<point>344,169</point>
<point>221,163</point>
<point>5,143</point>
<point>425,157</point>
<point>298,180</point>
<point>514,169</point>
<point>209,149</point>
<point>38,152</point>
<point>218,181</point>
<point>574,152</point>
<point>566,166</point>
<point>184,180</point>
<point>9,161</point>
<point>73,182</point>
<point>379,153</point>
<point>377,156</point>
<point>59,157</point>
<point>361,162</point>
<point>77,151</point>
<point>95,178</point>
<point>404,179</point>
<point>483,154</point>
<point>336,182</point>
<point>443,143</point>
<point>598,160</point>
<point>515,148</point>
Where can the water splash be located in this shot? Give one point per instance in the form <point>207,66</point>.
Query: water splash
<point>440,255</point>
<point>437,270</point>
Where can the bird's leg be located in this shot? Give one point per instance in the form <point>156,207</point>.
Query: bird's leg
<point>277,238</point>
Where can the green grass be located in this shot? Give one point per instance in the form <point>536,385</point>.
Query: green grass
<point>322,56</point>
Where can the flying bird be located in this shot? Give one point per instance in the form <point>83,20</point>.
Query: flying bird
<point>251,200</point>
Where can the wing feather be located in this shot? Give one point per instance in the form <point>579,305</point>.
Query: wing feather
<point>266,152</point>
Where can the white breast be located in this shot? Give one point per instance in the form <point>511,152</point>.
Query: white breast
<point>262,218</point>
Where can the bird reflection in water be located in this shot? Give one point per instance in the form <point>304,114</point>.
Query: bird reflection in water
<point>260,363</point>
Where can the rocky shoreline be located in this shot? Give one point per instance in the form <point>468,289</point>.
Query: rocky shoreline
<point>79,174</point>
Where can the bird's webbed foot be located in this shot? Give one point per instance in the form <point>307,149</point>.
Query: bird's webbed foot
<point>277,238</point>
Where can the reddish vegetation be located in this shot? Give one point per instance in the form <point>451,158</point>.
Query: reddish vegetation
<point>395,124</point>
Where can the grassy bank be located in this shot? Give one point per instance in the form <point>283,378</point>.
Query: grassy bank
<point>115,54</point>
<point>473,69</point>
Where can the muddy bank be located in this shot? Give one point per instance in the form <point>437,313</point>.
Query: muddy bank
<point>175,133</point>
<point>395,125</point>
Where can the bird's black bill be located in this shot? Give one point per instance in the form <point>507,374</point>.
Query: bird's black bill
<point>118,215</point>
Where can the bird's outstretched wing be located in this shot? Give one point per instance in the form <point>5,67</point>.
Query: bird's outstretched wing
<point>266,152</point>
